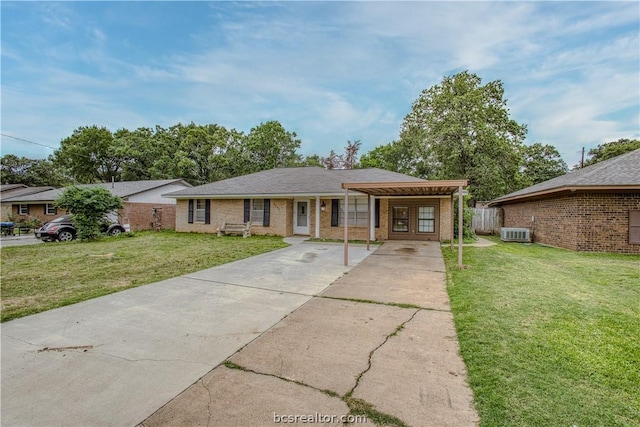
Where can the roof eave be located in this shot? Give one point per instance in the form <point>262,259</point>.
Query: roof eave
<point>563,189</point>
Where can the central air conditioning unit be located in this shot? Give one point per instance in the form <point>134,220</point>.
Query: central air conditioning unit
<point>522,235</point>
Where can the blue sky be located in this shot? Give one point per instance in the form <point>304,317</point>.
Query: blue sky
<point>329,71</point>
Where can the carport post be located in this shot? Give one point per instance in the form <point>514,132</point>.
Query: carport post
<point>460,225</point>
<point>368,219</point>
<point>452,222</point>
<point>346,226</point>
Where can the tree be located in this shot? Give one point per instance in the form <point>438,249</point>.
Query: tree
<point>401,156</point>
<point>541,163</point>
<point>267,146</point>
<point>88,207</point>
<point>350,158</point>
<point>31,172</point>
<point>464,129</point>
<point>90,155</point>
<point>610,150</point>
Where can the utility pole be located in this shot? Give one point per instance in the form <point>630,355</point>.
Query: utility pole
<point>582,159</point>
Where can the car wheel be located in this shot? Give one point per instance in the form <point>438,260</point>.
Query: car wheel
<point>115,231</point>
<point>65,236</point>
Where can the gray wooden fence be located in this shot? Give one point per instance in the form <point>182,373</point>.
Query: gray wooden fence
<point>487,220</point>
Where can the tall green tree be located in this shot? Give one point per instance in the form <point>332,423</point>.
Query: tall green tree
<point>90,155</point>
<point>31,172</point>
<point>268,145</point>
<point>541,163</point>
<point>206,153</point>
<point>610,150</point>
<point>401,156</point>
<point>88,207</point>
<point>465,127</point>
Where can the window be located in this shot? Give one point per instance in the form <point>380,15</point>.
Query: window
<point>50,209</point>
<point>200,210</point>
<point>634,227</point>
<point>257,211</point>
<point>400,219</point>
<point>23,209</point>
<point>357,212</point>
<point>426,219</point>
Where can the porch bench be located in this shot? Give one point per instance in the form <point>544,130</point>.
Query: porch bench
<point>235,228</point>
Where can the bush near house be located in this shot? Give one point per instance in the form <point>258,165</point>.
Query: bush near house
<point>549,336</point>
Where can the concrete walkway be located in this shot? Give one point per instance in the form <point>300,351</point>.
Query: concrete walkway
<point>115,360</point>
<point>380,342</point>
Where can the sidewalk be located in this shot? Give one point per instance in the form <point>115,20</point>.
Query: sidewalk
<point>378,344</point>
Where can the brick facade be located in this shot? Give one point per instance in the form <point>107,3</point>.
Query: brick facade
<point>38,211</point>
<point>281,219</point>
<point>582,221</point>
<point>141,215</point>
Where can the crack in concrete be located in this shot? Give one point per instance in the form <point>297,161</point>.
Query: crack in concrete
<point>389,304</point>
<point>248,286</point>
<point>21,340</point>
<point>395,332</point>
<point>208,404</point>
<point>156,360</point>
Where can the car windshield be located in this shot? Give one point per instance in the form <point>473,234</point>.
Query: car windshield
<point>61,219</point>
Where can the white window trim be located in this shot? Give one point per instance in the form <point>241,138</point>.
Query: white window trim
<point>51,211</point>
<point>20,206</point>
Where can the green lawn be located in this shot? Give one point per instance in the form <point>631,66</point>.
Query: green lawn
<point>550,337</point>
<point>40,277</point>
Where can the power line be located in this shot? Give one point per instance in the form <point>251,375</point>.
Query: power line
<point>26,140</point>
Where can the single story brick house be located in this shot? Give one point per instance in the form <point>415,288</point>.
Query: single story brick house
<point>13,190</point>
<point>595,209</point>
<point>145,207</point>
<point>310,201</point>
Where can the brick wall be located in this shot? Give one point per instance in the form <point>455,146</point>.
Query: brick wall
<point>140,215</point>
<point>232,211</point>
<point>281,222</point>
<point>36,211</point>
<point>590,222</point>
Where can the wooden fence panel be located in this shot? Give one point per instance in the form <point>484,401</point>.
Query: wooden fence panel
<point>487,220</point>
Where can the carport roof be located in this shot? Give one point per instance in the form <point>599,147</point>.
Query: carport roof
<point>408,188</point>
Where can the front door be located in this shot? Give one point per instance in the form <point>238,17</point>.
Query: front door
<point>301,217</point>
<point>413,219</point>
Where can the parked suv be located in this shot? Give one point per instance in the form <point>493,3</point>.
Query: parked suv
<point>63,230</point>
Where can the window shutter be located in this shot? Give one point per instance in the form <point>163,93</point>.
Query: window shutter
<point>266,217</point>
<point>634,227</point>
<point>190,216</point>
<point>377,213</point>
<point>335,212</point>
<point>247,210</point>
<point>207,211</point>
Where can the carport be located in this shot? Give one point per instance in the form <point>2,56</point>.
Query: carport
<point>404,189</point>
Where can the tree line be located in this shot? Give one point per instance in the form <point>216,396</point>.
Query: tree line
<point>458,129</point>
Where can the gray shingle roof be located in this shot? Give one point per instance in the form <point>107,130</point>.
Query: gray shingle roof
<point>123,189</point>
<point>14,190</point>
<point>291,181</point>
<point>623,170</point>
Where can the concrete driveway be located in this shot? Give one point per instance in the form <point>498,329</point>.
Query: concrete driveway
<point>116,359</point>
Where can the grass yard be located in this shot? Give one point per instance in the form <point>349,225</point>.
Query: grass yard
<point>40,277</point>
<point>550,337</point>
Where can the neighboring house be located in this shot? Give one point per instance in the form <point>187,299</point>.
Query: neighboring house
<point>13,190</point>
<point>595,209</point>
<point>310,201</point>
<point>144,208</point>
